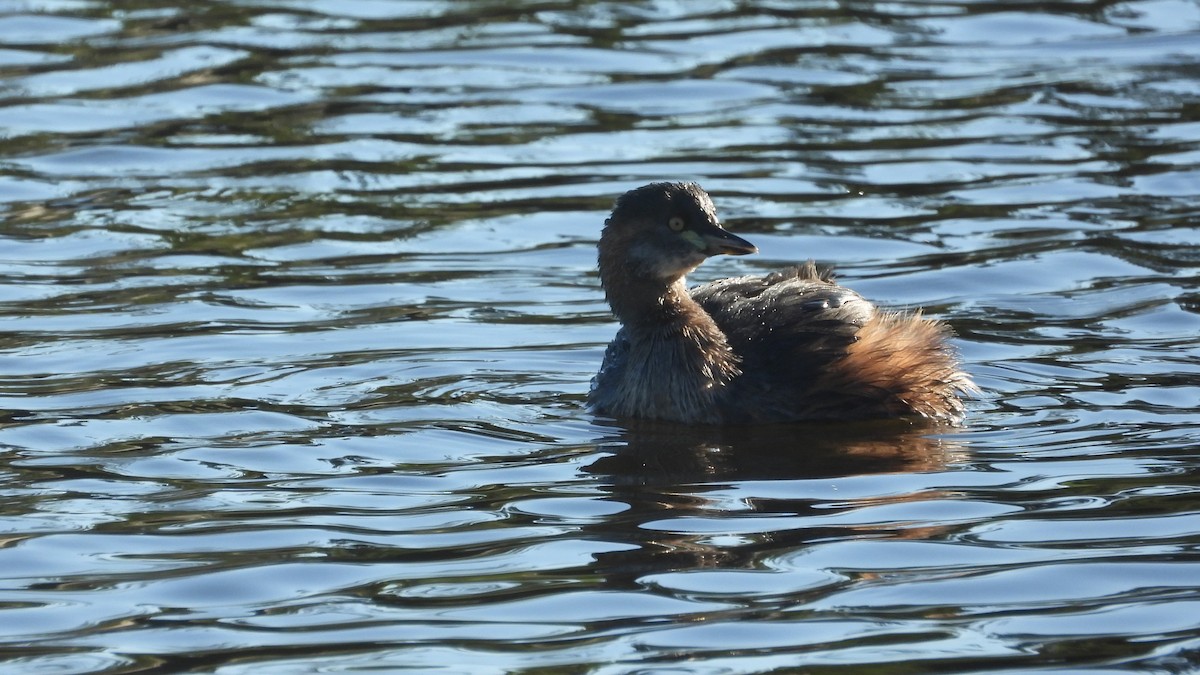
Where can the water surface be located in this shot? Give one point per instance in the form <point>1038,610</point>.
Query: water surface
<point>299,313</point>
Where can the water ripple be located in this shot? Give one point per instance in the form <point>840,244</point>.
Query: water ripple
<point>299,313</point>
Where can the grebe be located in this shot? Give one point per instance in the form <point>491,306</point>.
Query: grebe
<point>786,347</point>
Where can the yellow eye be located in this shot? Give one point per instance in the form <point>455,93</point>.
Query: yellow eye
<point>676,224</point>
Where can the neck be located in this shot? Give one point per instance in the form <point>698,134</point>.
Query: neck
<point>651,304</point>
<point>680,360</point>
<point>639,294</point>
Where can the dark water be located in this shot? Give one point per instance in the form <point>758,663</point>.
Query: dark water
<point>299,313</point>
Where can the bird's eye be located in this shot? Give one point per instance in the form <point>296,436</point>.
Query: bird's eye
<point>676,224</point>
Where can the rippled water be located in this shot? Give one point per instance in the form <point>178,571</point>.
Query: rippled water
<point>300,310</point>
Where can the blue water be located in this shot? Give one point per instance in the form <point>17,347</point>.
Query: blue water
<point>299,312</point>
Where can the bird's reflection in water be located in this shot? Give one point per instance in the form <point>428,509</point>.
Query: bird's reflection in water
<point>671,476</point>
<point>649,453</point>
